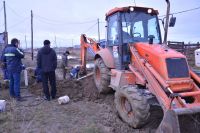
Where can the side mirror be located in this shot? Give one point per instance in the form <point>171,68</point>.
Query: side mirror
<point>172,21</point>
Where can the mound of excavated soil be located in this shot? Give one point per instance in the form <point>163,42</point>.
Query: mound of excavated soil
<point>85,91</point>
<point>76,90</point>
<point>64,87</point>
<point>88,111</point>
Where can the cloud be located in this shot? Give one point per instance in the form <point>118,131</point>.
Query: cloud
<point>59,19</point>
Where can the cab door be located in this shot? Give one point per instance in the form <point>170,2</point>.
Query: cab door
<point>114,39</point>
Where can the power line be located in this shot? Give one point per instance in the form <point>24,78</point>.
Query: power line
<point>1,8</point>
<point>187,10</point>
<point>20,22</point>
<point>14,11</point>
<point>46,22</point>
<point>63,23</point>
<point>2,25</point>
<point>135,2</point>
<point>184,11</point>
<point>102,22</point>
<point>90,28</point>
<point>54,22</point>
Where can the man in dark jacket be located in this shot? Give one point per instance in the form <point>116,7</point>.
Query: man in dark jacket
<point>12,57</point>
<point>47,62</point>
<point>65,63</point>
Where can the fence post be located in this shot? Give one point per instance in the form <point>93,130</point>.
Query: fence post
<point>183,48</point>
<point>168,43</point>
<point>197,44</point>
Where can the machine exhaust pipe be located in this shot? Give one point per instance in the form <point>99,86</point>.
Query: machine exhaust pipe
<point>166,22</point>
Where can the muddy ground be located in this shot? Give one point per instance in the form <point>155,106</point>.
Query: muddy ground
<point>87,111</point>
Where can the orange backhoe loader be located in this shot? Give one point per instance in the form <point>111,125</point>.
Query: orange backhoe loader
<point>138,66</point>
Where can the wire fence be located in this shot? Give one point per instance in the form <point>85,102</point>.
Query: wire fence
<point>187,49</point>
<point>183,47</point>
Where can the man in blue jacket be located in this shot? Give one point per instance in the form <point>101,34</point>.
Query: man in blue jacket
<point>38,75</point>
<point>74,72</point>
<point>13,56</point>
<point>47,62</point>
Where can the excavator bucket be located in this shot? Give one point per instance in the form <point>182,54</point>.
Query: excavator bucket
<point>180,121</point>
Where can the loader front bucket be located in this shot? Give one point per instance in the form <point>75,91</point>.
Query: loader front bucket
<point>184,120</point>
<point>169,124</point>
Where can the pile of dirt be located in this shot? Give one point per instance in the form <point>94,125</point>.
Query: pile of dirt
<point>71,88</point>
<point>76,90</point>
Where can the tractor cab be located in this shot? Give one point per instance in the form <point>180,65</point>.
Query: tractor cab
<point>130,25</point>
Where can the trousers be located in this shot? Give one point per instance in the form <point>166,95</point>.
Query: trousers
<point>49,77</point>
<point>5,74</point>
<point>14,85</point>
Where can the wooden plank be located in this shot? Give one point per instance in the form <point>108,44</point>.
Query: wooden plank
<point>90,74</point>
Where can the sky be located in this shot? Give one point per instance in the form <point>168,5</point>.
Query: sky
<point>63,21</point>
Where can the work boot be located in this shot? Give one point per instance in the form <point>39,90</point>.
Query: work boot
<point>12,96</point>
<point>53,97</point>
<point>20,99</point>
<point>46,98</point>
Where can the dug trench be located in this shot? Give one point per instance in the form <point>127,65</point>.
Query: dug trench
<point>87,111</point>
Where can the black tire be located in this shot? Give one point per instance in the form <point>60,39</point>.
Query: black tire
<point>132,106</point>
<point>101,76</point>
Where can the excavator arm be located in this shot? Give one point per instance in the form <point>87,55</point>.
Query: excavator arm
<point>87,44</point>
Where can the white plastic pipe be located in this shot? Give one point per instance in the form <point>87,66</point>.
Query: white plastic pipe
<point>26,77</point>
<point>2,105</point>
<point>63,99</point>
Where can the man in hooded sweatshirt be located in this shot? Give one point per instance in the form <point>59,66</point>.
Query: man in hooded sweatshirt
<point>47,63</point>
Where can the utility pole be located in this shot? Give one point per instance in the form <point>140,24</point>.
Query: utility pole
<point>55,42</point>
<point>32,34</point>
<point>5,23</point>
<point>72,42</point>
<point>25,41</point>
<point>98,29</point>
<point>135,2</point>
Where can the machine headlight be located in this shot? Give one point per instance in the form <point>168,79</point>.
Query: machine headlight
<point>149,11</point>
<point>131,9</point>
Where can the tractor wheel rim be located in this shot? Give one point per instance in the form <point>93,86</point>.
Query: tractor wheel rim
<point>126,106</point>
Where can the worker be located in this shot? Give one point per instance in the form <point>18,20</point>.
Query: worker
<point>65,63</point>
<point>47,62</point>
<point>38,75</point>
<point>13,56</point>
<point>74,72</point>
